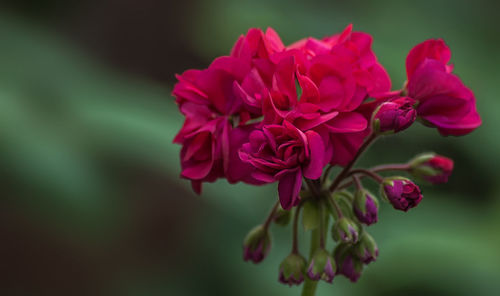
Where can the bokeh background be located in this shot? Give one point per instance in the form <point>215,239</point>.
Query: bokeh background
<point>92,203</point>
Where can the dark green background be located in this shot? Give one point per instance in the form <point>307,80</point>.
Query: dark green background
<point>91,199</point>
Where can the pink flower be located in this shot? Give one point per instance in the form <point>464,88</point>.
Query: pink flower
<point>218,102</point>
<point>284,153</point>
<point>443,101</point>
<point>394,115</point>
<point>434,49</point>
<point>340,73</point>
<point>336,75</point>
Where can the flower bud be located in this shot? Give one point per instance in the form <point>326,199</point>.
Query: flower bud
<point>282,217</point>
<point>366,249</point>
<point>322,266</point>
<point>345,230</point>
<point>401,192</point>
<point>394,116</point>
<point>256,245</point>
<point>292,270</point>
<point>344,200</point>
<point>348,264</point>
<point>365,207</point>
<point>433,168</point>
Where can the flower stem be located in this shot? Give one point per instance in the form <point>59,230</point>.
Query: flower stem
<point>346,169</point>
<point>309,288</point>
<point>326,173</point>
<point>295,243</point>
<point>271,216</point>
<point>376,169</point>
<point>391,167</point>
<point>368,173</point>
<point>336,207</point>
<point>322,226</point>
<point>313,187</point>
<point>357,182</point>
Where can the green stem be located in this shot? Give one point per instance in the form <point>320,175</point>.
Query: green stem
<point>309,288</point>
<point>317,241</point>
<point>295,242</point>
<point>367,173</point>
<point>271,215</point>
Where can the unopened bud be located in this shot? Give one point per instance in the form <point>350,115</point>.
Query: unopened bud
<point>401,192</point>
<point>292,270</point>
<point>432,168</point>
<point>366,249</point>
<point>322,266</point>
<point>394,116</point>
<point>345,230</point>
<point>348,264</point>
<point>257,244</point>
<point>365,207</point>
<point>282,217</point>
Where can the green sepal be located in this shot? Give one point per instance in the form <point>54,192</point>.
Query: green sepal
<point>360,200</point>
<point>344,200</point>
<point>320,259</point>
<point>255,236</point>
<point>282,217</point>
<point>293,265</point>
<point>344,225</point>
<point>366,242</point>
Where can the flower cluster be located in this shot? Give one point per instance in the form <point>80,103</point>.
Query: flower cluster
<point>288,114</point>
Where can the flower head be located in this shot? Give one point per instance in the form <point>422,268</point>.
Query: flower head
<point>402,193</point>
<point>284,153</point>
<point>444,101</point>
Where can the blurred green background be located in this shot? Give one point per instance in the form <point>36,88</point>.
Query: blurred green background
<point>92,201</point>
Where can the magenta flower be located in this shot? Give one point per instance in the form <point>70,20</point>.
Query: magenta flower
<point>434,49</point>
<point>443,101</point>
<point>284,153</point>
<point>394,115</point>
<point>217,107</point>
<point>336,75</point>
<point>402,193</point>
<point>274,113</point>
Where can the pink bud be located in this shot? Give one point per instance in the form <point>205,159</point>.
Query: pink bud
<point>402,193</point>
<point>433,168</point>
<point>394,115</point>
